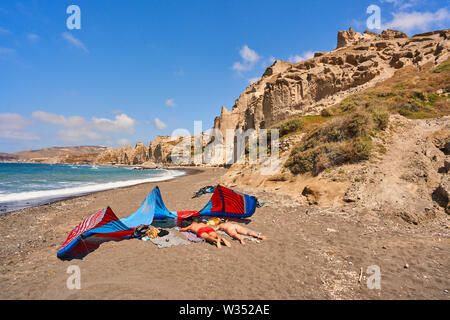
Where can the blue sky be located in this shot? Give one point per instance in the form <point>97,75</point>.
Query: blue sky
<point>141,68</point>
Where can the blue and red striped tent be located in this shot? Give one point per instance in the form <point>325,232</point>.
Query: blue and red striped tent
<point>223,203</point>
<point>106,226</point>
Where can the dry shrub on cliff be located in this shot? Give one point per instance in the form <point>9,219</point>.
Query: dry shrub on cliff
<point>343,139</point>
<point>289,126</point>
<point>414,93</point>
<point>442,67</point>
<point>326,113</point>
<point>346,138</point>
<point>380,117</point>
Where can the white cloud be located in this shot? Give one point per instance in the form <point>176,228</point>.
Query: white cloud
<point>249,59</point>
<point>74,41</point>
<point>77,129</point>
<point>298,58</point>
<point>122,123</point>
<point>179,73</point>
<point>59,120</point>
<point>6,52</point>
<point>123,142</point>
<point>32,37</point>
<point>159,124</point>
<point>12,127</point>
<point>248,54</point>
<point>78,135</point>
<point>4,32</point>
<point>18,135</point>
<point>402,4</point>
<point>240,67</point>
<point>13,121</point>
<point>170,102</point>
<point>422,21</point>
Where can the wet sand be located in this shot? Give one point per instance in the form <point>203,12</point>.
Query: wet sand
<point>311,252</point>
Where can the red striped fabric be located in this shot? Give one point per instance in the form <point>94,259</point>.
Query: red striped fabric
<point>216,201</point>
<point>86,224</point>
<point>107,218</point>
<point>234,202</point>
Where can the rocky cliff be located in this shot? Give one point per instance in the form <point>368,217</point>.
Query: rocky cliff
<point>385,148</point>
<point>157,152</point>
<point>69,155</point>
<point>7,157</point>
<point>125,155</point>
<point>358,62</point>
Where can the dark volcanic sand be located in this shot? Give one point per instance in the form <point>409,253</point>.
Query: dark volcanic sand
<point>310,253</point>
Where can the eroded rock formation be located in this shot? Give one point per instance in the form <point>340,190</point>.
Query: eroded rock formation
<point>158,151</point>
<point>360,61</point>
<point>125,155</point>
<point>287,89</point>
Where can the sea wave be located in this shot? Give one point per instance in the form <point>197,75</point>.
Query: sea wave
<point>48,195</point>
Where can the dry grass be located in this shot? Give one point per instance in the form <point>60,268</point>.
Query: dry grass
<point>343,139</point>
<point>289,126</point>
<point>299,124</point>
<point>344,132</point>
<point>413,93</point>
<point>442,67</point>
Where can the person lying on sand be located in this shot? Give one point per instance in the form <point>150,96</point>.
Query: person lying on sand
<point>206,232</point>
<point>234,230</point>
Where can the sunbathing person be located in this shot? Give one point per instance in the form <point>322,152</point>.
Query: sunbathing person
<point>206,232</point>
<point>234,230</point>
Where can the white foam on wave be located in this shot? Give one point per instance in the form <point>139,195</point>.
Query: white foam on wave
<point>81,190</point>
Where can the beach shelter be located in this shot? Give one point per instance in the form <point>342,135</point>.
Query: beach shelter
<point>223,203</point>
<point>106,226</point>
<point>228,203</point>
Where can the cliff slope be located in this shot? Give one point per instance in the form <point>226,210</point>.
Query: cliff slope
<point>305,88</point>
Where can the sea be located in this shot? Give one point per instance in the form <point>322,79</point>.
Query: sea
<point>24,185</point>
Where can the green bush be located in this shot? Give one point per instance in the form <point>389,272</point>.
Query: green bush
<point>361,149</point>
<point>326,113</point>
<point>442,67</point>
<point>358,124</point>
<point>419,95</point>
<point>380,117</point>
<point>304,161</point>
<point>348,105</point>
<point>289,126</point>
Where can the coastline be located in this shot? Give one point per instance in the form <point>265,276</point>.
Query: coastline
<point>14,206</point>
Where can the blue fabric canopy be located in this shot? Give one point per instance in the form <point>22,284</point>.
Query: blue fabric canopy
<point>152,208</point>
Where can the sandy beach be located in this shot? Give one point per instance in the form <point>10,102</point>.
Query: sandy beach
<point>311,253</point>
